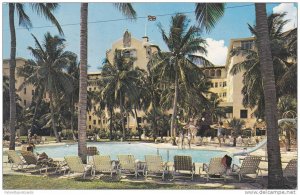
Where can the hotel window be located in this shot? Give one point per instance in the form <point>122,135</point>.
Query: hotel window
<point>206,72</point>
<point>212,73</point>
<point>126,54</point>
<point>103,121</point>
<point>90,127</point>
<point>216,84</point>
<point>243,113</point>
<point>220,84</point>
<point>94,88</point>
<point>99,121</point>
<point>224,94</point>
<point>224,84</point>
<point>94,122</point>
<point>32,92</point>
<point>247,44</point>
<point>218,73</point>
<point>148,51</point>
<point>90,89</point>
<point>90,118</point>
<point>24,102</point>
<point>25,90</point>
<point>212,85</point>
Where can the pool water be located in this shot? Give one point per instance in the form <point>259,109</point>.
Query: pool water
<point>139,150</point>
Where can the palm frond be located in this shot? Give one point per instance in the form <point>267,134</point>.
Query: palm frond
<point>208,14</point>
<point>24,19</point>
<point>45,10</point>
<point>126,9</point>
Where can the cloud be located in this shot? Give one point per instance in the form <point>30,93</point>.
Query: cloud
<point>216,51</point>
<point>291,14</point>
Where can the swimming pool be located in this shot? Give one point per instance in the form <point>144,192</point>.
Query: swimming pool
<point>139,150</point>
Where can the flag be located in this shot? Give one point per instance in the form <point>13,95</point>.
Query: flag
<point>151,18</point>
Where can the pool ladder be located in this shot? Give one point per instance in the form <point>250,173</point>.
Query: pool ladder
<point>168,153</point>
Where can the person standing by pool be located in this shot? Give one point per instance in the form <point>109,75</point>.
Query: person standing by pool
<point>220,132</point>
<point>181,138</point>
<point>189,137</point>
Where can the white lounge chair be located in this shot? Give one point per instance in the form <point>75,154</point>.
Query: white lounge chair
<point>154,166</point>
<point>75,165</point>
<point>103,164</point>
<point>127,165</point>
<point>15,160</point>
<point>215,169</point>
<point>250,165</point>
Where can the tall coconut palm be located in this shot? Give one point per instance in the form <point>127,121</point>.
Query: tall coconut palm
<point>72,98</point>
<point>120,80</point>
<point>47,71</point>
<point>253,86</point>
<point>177,64</point>
<point>42,9</point>
<point>82,103</point>
<point>275,175</point>
<point>128,11</point>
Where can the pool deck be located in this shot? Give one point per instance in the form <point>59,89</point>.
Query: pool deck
<point>199,180</point>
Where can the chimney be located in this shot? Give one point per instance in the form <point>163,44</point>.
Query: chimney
<point>145,39</point>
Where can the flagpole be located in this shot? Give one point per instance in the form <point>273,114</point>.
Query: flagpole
<point>146,27</point>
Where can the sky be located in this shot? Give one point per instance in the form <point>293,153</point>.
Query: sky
<point>104,27</point>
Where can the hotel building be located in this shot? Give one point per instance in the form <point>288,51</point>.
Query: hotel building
<point>129,46</point>
<point>228,87</point>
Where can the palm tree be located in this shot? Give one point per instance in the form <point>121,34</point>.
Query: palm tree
<point>120,80</point>
<point>128,11</point>
<point>6,101</point>
<point>177,64</point>
<point>236,125</point>
<point>82,103</point>
<point>252,79</point>
<point>213,107</point>
<point>47,71</point>
<point>42,9</point>
<point>72,98</point>
<point>275,175</point>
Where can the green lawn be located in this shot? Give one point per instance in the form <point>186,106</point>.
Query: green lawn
<point>47,183</point>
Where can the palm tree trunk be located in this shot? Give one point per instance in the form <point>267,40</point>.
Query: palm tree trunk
<point>137,123</point>
<point>83,83</point>
<point>72,117</point>
<point>111,123</point>
<point>127,118</point>
<point>173,121</point>
<point>12,80</point>
<point>122,117</point>
<point>39,92</point>
<point>234,141</point>
<point>53,117</point>
<point>275,177</point>
<point>288,137</point>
